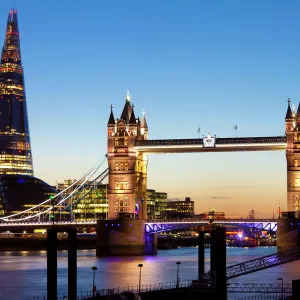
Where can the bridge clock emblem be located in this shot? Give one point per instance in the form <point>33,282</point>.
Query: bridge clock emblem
<point>209,141</point>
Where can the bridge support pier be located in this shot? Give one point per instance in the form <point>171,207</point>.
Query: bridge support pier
<point>125,237</point>
<point>288,231</point>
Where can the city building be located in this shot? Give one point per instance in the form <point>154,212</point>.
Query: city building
<point>19,190</point>
<point>15,149</point>
<point>180,208</point>
<point>93,204</point>
<point>88,203</point>
<point>156,204</point>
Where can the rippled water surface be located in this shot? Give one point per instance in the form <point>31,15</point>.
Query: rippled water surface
<point>23,273</point>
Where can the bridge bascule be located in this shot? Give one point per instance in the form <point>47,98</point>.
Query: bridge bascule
<point>127,157</point>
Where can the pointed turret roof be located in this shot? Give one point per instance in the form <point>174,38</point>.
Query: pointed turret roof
<point>111,120</point>
<point>298,110</point>
<point>132,117</point>
<point>289,114</point>
<point>126,113</point>
<point>144,122</point>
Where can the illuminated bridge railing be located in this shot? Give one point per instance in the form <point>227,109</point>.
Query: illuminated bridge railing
<point>263,263</point>
<point>157,226</point>
<point>219,141</point>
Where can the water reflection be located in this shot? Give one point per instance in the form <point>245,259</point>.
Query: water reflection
<point>23,273</point>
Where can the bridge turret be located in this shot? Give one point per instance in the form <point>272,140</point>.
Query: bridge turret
<point>127,167</point>
<point>144,127</point>
<point>298,118</point>
<point>289,118</point>
<point>111,124</point>
<point>292,127</point>
<point>126,113</point>
<point>133,125</point>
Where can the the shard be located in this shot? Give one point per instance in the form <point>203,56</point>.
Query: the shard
<point>15,148</point>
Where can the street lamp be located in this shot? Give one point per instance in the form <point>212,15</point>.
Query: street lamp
<point>178,279</point>
<point>281,286</point>
<point>140,278</point>
<point>94,268</point>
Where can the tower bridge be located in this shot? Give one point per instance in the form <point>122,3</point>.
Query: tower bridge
<point>128,147</point>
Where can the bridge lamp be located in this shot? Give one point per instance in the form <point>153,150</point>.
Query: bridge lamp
<point>140,277</point>
<point>240,235</point>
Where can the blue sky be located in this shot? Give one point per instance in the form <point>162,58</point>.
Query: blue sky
<point>187,63</point>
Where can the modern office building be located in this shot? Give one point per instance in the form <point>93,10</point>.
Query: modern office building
<point>180,208</point>
<point>93,204</point>
<point>15,149</point>
<point>89,203</point>
<point>156,204</point>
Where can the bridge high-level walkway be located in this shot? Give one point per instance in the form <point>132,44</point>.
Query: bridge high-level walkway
<point>262,263</point>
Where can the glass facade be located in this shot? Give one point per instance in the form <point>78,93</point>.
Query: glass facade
<point>156,204</point>
<point>15,149</point>
<point>180,209</point>
<point>20,192</point>
<point>89,203</point>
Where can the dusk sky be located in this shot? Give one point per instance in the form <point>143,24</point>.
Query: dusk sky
<point>212,64</point>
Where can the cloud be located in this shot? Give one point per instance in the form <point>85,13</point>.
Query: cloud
<point>217,197</point>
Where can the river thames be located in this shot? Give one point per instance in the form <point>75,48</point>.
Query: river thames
<point>23,273</point>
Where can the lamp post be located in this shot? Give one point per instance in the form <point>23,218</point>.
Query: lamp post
<point>94,268</point>
<point>140,277</point>
<point>178,279</point>
<point>281,286</point>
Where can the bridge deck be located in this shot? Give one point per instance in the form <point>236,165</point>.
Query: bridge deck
<point>219,145</point>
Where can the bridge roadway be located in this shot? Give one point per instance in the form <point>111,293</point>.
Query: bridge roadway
<point>212,144</point>
<point>153,226</point>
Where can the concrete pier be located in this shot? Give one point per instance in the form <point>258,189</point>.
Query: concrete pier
<point>288,231</point>
<point>124,237</point>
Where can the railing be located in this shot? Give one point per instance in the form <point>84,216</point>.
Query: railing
<point>131,289</point>
<point>265,288</point>
<point>263,263</point>
<point>259,288</point>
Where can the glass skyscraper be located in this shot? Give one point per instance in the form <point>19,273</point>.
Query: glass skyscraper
<point>15,149</point>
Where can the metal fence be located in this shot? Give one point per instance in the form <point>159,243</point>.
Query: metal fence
<point>263,290</point>
<point>271,296</point>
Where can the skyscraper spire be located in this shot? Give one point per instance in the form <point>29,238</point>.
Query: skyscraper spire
<point>15,146</point>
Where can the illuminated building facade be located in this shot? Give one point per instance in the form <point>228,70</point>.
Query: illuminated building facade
<point>127,167</point>
<point>15,149</point>
<point>180,209</point>
<point>292,129</point>
<point>156,204</point>
<point>91,204</point>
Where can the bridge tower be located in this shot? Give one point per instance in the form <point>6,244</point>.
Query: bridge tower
<point>292,129</point>
<point>124,233</point>
<point>127,167</point>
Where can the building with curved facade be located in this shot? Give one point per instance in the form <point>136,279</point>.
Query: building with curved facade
<point>20,192</point>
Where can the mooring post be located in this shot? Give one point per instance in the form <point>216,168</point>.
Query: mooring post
<point>201,258</point>
<point>72,264</point>
<point>51,263</point>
